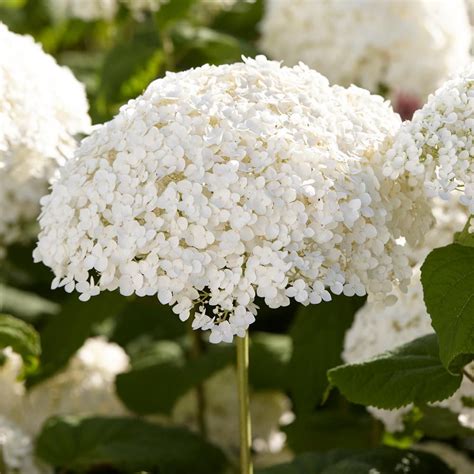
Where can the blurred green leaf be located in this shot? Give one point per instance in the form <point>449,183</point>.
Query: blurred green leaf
<point>269,355</point>
<point>126,443</point>
<point>25,304</point>
<point>66,331</point>
<point>241,20</point>
<point>448,286</point>
<point>324,430</point>
<point>381,460</point>
<point>318,335</point>
<point>441,423</point>
<point>411,373</point>
<point>171,12</point>
<point>21,337</point>
<point>154,388</point>
<point>198,45</point>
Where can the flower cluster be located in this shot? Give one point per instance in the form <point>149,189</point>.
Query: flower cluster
<point>437,146</point>
<point>376,330</point>
<point>42,107</point>
<point>221,184</point>
<point>85,388</point>
<point>268,409</point>
<point>409,46</point>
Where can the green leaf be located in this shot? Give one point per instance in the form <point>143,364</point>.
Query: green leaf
<point>171,12</point>
<point>269,355</point>
<point>66,331</point>
<point>21,337</point>
<point>201,45</point>
<point>381,460</point>
<point>128,68</point>
<point>324,430</point>
<point>441,423</point>
<point>465,237</point>
<point>411,373</point>
<point>155,387</point>
<point>318,336</point>
<point>126,443</point>
<point>448,285</point>
<point>25,304</point>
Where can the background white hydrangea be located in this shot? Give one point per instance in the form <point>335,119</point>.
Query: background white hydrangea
<point>267,409</point>
<point>224,183</point>
<point>378,329</point>
<point>42,108</point>
<point>87,10</point>
<point>17,451</point>
<point>85,387</point>
<point>437,146</point>
<point>405,46</point>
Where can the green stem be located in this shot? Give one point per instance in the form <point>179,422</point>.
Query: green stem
<point>242,345</point>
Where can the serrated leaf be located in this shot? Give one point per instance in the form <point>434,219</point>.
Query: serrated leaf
<point>21,337</point>
<point>155,388</point>
<point>317,336</point>
<point>447,276</point>
<point>126,443</point>
<point>381,460</point>
<point>411,373</point>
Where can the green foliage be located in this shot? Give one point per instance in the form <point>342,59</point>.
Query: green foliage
<point>270,354</point>
<point>411,373</point>
<point>155,386</point>
<point>25,304</point>
<point>126,443</point>
<point>326,429</point>
<point>381,460</point>
<point>318,337</point>
<point>66,331</point>
<point>448,284</point>
<point>21,337</point>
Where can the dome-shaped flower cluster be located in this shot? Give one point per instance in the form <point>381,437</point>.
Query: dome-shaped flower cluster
<point>221,184</point>
<point>42,107</point>
<point>379,329</point>
<point>405,46</point>
<point>437,146</point>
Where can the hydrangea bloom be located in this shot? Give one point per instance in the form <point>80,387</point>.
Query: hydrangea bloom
<point>221,184</point>
<point>376,330</point>
<point>42,107</point>
<point>405,46</point>
<point>85,387</point>
<point>222,421</point>
<point>437,146</point>
<point>16,450</point>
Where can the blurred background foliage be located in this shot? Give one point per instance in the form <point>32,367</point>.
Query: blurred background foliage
<point>291,348</point>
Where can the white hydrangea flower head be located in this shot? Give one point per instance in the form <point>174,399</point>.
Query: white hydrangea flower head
<point>379,329</point>
<point>17,451</point>
<point>42,108</point>
<point>86,10</point>
<point>85,387</point>
<point>12,388</point>
<point>437,146</point>
<point>222,420</point>
<point>223,183</point>
<point>405,46</point>
<point>456,460</point>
